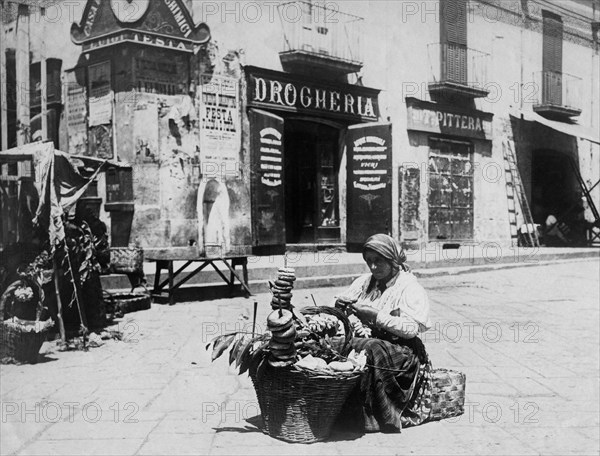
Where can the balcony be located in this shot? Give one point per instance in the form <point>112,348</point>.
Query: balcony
<point>319,41</point>
<point>456,71</point>
<point>557,95</point>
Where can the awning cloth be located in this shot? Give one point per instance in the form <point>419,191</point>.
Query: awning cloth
<point>579,131</point>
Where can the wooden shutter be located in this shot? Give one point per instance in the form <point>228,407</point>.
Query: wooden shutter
<point>266,158</point>
<point>552,59</point>
<point>453,33</point>
<point>369,203</point>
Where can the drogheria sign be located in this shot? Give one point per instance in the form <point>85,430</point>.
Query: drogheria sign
<point>280,91</point>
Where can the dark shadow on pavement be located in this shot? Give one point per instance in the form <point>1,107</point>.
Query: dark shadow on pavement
<point>45,359</point>
<point>338,434</point>
<point>241,430</point>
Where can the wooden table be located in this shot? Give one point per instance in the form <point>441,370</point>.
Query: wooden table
<point>169,286</point>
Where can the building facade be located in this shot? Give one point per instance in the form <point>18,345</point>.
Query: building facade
<point>260,126</point>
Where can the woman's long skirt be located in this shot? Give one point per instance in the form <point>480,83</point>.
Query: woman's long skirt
<point>396,392</point>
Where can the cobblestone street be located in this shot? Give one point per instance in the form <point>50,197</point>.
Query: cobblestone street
<point>527,339</point>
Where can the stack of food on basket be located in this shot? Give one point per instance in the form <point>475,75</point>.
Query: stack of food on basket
<point>281,345</point>
<point>282,288</point>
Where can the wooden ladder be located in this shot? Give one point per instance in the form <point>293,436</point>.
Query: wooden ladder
<point>515,194</point>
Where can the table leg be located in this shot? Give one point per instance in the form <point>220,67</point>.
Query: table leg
<point>159,267</point>
<point>245,275</point>
<point>231,269</point>
<point>171,291</point>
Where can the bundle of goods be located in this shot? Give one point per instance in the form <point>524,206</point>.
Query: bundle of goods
<point>282,288</point>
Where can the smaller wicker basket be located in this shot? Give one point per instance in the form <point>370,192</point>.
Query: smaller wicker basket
<point>22,339</point>
<point>126,260</point>
<point>131,302</point>
<point>448,394</point>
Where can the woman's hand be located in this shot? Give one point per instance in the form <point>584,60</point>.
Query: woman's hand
<point>366,314</point>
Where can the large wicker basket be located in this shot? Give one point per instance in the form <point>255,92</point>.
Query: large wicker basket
<point>448,394</point>
<point>299,405</point>
<point>22,339</point>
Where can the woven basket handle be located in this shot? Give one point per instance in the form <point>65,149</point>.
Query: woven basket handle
<point>313,310</point>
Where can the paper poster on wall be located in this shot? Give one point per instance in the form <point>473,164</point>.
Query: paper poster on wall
<point>145,127</point>
<point>100,101</point>
<point>220,123</point>
<point>76,112</point>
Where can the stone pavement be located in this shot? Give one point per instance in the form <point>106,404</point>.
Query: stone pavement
<point>527,339</point>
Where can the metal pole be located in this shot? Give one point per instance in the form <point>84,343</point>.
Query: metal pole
<point>22,64</point>
<point>59,316</point>
<point>3,102</point>
<point>44,79</point>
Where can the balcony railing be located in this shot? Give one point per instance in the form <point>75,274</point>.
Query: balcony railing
<point>556,94</point>
<point>318,38</point>
<point>456,69</point>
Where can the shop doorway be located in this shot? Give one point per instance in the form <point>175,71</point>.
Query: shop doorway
<point>554,187</point>
<point>311,167</point>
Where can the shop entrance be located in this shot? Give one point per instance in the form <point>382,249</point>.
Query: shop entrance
<point>555,190</point>
<point>311,167</point>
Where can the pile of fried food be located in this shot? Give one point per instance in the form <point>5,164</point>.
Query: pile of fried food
<point>282,288</point>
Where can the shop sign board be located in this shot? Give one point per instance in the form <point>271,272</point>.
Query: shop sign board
<point>266,155</point>
<point>448,120</point>
<point>285,92</point>
<point>369,149</point>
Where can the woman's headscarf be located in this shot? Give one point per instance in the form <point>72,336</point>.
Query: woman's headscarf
<point>388,248</point>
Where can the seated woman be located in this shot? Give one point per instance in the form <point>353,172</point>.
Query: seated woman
<point>396,391</point>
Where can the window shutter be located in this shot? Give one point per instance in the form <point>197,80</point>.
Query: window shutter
<point>453,33</point>
<point>453,21</point>
<point>552,59</point>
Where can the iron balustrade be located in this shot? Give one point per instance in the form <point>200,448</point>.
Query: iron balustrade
<point>457,64</point>
<point>321,31</point>
<point>555,88</point>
